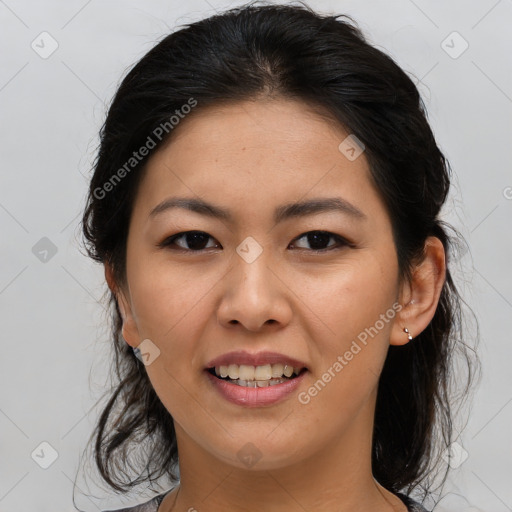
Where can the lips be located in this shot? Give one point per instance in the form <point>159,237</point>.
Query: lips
<point>241,357</point>
<point>245,395</point>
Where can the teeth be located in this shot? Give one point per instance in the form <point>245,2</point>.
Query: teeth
<point>233,371</point>
<point>263,372</point>
<point>288,370</point>
<point>246,372</point>
<point>257,383</point>
<point>277,370</point>
<point>252,374</point>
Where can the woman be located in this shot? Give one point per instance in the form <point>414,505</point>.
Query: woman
<point>288,374</point>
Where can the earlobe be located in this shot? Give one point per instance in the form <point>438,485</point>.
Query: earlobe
<point>401,334</point>
<point>422,295</point>
<point>129,328</point>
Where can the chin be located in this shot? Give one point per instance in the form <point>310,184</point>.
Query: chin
<point>258,453</point>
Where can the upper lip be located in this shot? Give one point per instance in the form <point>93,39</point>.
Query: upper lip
<point>259,359</point>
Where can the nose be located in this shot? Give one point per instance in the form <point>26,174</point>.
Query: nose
<point>254,296</point>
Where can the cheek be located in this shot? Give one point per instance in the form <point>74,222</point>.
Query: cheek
<point>351,296</point>
<point>352,356</point>
<point>356,303</point>
<point>170,311</point>
<point>166,301</point>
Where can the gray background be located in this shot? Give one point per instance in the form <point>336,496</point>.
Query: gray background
<point>55,346</point>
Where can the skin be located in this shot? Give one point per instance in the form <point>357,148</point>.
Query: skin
<point>251,157</point>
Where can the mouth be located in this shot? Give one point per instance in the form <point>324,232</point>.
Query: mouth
<point>257,376</point>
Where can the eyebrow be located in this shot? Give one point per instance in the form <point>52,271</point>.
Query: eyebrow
<point>281,213</point>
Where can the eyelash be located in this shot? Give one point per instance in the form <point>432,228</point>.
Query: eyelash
<point>341,242</point>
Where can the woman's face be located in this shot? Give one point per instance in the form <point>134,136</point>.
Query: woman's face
<point>253,282</point>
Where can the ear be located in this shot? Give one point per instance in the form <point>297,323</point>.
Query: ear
<point>129,330</point>
<point>420,296</point>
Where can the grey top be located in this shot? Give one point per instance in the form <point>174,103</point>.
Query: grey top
<point>152,505</point>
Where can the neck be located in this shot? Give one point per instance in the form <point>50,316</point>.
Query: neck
<point>335,478</point>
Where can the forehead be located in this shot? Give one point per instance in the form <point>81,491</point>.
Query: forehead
<point>256,153</point>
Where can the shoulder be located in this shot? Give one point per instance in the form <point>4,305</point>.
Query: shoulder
<point>149,506</point>
<point>412,506</point>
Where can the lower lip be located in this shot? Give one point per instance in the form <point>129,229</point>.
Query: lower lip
<point>255,397</point>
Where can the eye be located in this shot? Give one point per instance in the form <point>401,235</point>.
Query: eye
<point>320,238</point>
<point>194,239</point>
<point>197,241</point>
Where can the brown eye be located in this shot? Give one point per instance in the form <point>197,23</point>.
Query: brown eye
<point>319,240</point>
<point>197,241</point>
<point>193,241</point>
